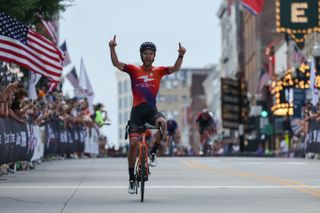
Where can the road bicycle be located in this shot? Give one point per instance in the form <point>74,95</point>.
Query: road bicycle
<point>142,171</point>
<point>208,144</point>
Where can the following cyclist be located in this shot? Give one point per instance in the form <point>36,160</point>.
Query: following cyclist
<point>172,133</point>
<point>145,82</point>
<point>206,127</point>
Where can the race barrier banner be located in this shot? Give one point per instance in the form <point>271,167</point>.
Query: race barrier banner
<point>17,141</point>
<point>61,140</point>
<point>313,137</point>
<point>39,146</point>
<point>27,142</point>
<point>91,141</point>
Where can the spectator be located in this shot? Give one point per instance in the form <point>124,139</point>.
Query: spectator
<point>98,115</point>
<point>284,148</point>
<point>42,92</point>
<point>260,150</point>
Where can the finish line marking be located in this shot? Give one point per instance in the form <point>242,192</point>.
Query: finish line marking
<point>161,187</point>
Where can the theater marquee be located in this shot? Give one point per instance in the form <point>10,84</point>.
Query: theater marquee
<point>298,18</point>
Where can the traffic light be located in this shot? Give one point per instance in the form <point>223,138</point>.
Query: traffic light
<point>264,113</point>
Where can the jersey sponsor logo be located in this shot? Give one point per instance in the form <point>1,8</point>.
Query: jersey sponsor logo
<point>146,82</point>
<point>146,78</point>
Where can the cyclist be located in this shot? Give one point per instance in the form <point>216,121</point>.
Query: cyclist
<point>206,126</point>
<point>172,131</point>
<point>145,82</point>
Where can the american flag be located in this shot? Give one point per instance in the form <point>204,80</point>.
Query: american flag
<point>297,55</point>
<point>29,49</point>
<point>73,78</point>
<point>85,87</point>
<point>50,29</point>
<point>52,85</point>
<point>263,80</point>
<point>67,59</point>
<point>84,82</point>
<point>254,6</point>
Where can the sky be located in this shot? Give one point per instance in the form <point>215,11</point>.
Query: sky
<point>88,26</point>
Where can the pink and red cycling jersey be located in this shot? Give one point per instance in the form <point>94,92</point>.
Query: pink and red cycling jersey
<point>145,83</point>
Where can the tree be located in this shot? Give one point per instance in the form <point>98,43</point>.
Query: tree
<point>27,11</point>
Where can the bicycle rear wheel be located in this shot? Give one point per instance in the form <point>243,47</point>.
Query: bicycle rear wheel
<point>143,173</point>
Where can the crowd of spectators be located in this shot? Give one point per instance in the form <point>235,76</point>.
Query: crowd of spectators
<point>299,142</point>
<point>48,105</point>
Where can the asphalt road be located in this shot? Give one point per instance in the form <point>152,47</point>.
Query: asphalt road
<point>176,185</point>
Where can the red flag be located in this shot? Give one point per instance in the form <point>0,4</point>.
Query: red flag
<point>254,6</point>
<point>29,49</point>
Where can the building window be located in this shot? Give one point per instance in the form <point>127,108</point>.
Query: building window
<point>161,98</point>
<point>183,78</point>
<point>175,83</point>
<point>120,87</point>
<point>127,117</point>
<point>168,99</point>
<point>168,84</point>
<point>125,87</point>
<point>185,99</point>
<point>124,102</point>
<point>128,86</point>
<point>120,133</point>
<point>162,83</point>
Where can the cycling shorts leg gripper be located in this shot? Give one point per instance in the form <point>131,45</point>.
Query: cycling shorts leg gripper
<point>134,134</point>
<point>154,116</point>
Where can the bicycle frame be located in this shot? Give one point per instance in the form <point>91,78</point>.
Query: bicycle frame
<point>143,147</point>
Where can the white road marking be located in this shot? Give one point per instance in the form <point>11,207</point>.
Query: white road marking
<point>274,163</point>
<point>161,187</point>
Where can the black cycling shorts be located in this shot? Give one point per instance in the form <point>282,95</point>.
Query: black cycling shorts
<point>203,128</point>
<point>141,114</point>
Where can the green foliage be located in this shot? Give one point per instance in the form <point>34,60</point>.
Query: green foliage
<point>26,10</point>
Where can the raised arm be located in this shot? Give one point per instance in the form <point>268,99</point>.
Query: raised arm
<point>114,57</point>
<point>179,60</point>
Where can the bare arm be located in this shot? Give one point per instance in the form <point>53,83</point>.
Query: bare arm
<point>11,88</point>
<point>178,63</point>
<point>15,117</point>
<point>114,57</point>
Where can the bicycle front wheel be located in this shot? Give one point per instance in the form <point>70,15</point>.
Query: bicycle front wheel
<point>143,172</point>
